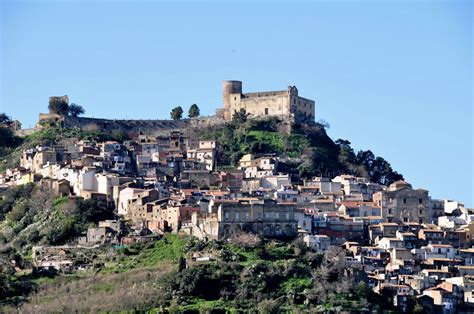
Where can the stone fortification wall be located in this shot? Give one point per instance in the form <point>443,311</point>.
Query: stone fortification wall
<point>24,132</point>
<point>150,127</point>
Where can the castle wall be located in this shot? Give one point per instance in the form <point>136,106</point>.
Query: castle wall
<point>149,127</point>
<point>261,105</point>
<point>302,107</point>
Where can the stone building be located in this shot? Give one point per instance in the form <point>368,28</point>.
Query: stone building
<point>165,217</point>
<point>285,104</point>
<point>228,218</point>
<point>401,203</point>
<point>132,202</point>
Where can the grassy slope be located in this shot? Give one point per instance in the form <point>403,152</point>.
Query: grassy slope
<point>141,280</point>
<point>136,280</point>
<point>168,250</point>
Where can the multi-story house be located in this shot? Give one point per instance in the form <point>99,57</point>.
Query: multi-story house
<point>400,203</point>
<point>226,218</point>
<point>204,153</point>
<point>258,167</point>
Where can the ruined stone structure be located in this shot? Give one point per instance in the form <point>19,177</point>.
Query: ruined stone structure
<point>286,104</point>
<point>149,127</point>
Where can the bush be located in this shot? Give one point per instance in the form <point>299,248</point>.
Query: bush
<point>204,281</point>
<point>18,211</point>
<point>268,306</point>
<point>246,240</point>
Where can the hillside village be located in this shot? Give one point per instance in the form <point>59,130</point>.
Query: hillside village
<point>404,244</point>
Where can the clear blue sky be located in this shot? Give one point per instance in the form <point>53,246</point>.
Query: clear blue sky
<point>393,77</point>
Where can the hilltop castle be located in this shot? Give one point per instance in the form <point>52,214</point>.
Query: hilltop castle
<point>285,104</point>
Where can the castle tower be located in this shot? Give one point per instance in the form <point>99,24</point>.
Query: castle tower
<point>230,87</point>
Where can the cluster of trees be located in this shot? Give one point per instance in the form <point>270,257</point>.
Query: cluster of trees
<point>7,137</point>
<point>366,164</point>
<point>61,107</point>
<point>177,112</point>
<point>242,135</point>
<point>31,215</point>
<point>4,119</point>
<point>306,152</point>
<point>271,276</point>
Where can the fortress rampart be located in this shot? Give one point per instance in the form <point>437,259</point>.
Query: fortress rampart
<point>149,127</point>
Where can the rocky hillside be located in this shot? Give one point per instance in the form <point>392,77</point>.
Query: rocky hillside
<point>305,149</point>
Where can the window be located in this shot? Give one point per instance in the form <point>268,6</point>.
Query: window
<point>404,200</point>
<point>389,211</point>
<point>420,201</point>
<point>277,215</point>
<point>287,216</point>
<point>247,216</point>
<point>226,215</point>
<point>266,111</point>
<point>235,98</point>
<point>267,215</point>
<point>237,216</point>
<point>421,211</point>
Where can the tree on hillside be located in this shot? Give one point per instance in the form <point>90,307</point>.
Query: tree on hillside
<point>4,119</point>
<point>58,106</point>
<point>324,123</point>
<point>346,153</point>
<point>366,158</point>
<point>382,172</point>
<point>194,111</point>
<point>240,116</point>
<point>7,136</point>
<point>75,110</point>
<point>177,113</point>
